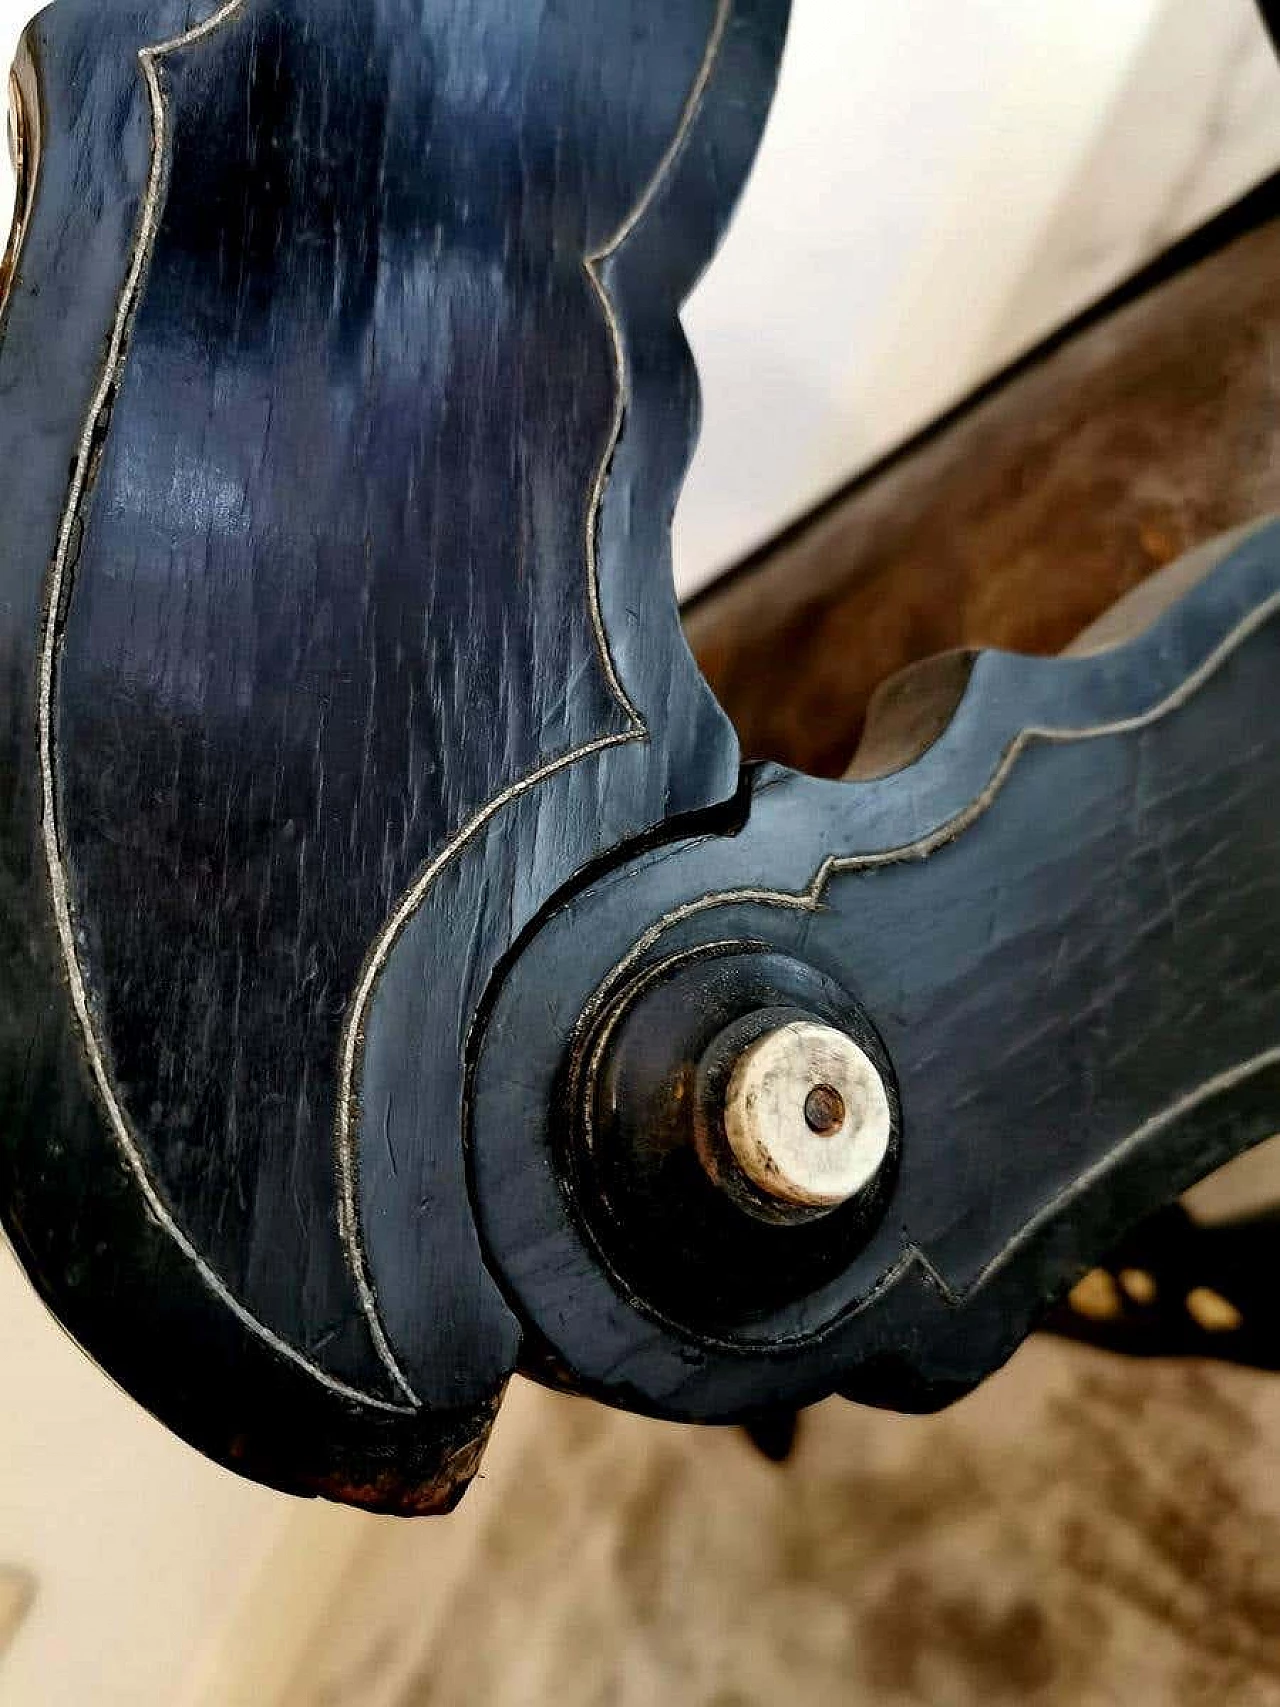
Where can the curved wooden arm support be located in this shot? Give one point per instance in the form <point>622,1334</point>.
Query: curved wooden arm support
<point>379,883</point>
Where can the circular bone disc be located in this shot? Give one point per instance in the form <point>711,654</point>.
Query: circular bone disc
<point>790,1081</point>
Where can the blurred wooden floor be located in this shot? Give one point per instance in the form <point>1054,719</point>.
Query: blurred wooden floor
<point>1081,1532</point>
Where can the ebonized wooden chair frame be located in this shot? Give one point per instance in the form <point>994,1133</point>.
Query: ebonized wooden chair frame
<point>379,877</point>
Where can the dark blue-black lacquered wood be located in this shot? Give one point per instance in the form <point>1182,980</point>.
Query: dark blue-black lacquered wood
<point>354,517</point>
<point>1060,919</point>
<point>351,750</point>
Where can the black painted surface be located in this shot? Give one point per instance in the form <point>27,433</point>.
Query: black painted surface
<point>649,1166</point>
<point>328,598</point>
<point>352,756</point>
<point>1066,942</point>
<point>675,752</point>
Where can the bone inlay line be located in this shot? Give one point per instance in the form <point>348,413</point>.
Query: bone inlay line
<point>636,731</point>
<point>809,900</point>
<point>149,59</point>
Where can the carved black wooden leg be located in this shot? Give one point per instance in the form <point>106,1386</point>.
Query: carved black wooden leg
<point>1175,1288</point>
<point>402,979</point>
<point>774,1433</point>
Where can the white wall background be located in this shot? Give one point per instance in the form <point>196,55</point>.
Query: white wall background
<point>941,181</point>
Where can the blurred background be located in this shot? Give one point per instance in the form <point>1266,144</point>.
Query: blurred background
<point>940,184</point>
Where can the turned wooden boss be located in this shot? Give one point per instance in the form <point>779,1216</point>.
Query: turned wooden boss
<point>403,981</point>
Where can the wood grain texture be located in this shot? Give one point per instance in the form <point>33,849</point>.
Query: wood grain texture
<point>1059,919</point>
<point>345,403</point>
<point>356,763</point>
